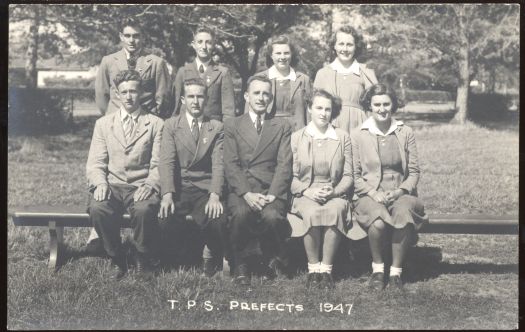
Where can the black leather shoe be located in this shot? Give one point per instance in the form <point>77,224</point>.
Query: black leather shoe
<point>141,263</point>
<point>326,281</point>
<point>210,266</point>
<point>242,275</point>
<point>119,268</point>
<point>313,280</point>
<point>377,281</point>
<point>394,282</point>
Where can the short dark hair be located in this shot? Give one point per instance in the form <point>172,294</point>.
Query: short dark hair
<point>283,40</point>
<point>376,90</point>
<point>206,30</point>
<point>194,81</point>
<point>127,75</point>
<point>336,101</point>
<point>259,78</point>
<point>358,41</point>
<point>130,22</point>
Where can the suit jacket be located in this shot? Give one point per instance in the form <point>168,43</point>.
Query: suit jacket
<point>300,91</point>
<point>340,163</point>
<point>326,78</point>
<point>155,83</point>
<point>255,163</point>
<point>184,163</point>
<point>113,161</point>
<point>367,165</point>
<point>221,100</point>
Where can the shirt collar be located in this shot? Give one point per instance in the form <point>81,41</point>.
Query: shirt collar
<point>190,120</point>
<point>134,115</point>
<point>128,55</point>
<point>274,73</point>
<point>338,67</point>
<point>312,130</point>
<point>199,63</point>
<point>253,116</point>
<point>370,125</point>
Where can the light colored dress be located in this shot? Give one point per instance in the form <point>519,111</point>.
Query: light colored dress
<point>347,84</point>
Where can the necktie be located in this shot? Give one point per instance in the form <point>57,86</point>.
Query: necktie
<point>195,130</point>
<point>128,127</point>
<point>201,69</point>
<point>132,62</point>
<point>258,124</point>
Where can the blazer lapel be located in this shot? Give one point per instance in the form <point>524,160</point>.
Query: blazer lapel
<point>211,74</point>
<point>331,149</point>
<point>121,60</point>
<point>267,135</point>
<point>117,130</point>
<point>247,131</point>
<point>142,127</point>
<point>294,85</point>
<point>206,135</point>
<point>183,128</point>
<point>401,141</point>
<point>143,64</point>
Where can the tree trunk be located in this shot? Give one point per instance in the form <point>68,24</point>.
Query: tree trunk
<point>464,74</point>
<point>32,49</point>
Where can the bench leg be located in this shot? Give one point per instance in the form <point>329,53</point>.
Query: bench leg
<point>55,244</point>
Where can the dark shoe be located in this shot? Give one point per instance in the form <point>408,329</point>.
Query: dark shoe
<point>120,268</point>
<point>377,281</point>
<point>313,280</point>
<point>394,282</point>
<point>242,275</point>
<point>275,269</point>
<point>210,266</point>
<point>326,281</point>
<point>95,248</point>
<point>142,264</point>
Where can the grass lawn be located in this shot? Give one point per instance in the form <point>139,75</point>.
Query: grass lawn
<point>452,281</point>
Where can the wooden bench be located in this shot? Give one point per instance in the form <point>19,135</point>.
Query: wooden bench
<point>58,217</point>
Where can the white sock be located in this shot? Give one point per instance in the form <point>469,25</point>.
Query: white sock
<point>313,268</point>
<point>378,267</point>
<point>325,268</point>
<point>396,271</point>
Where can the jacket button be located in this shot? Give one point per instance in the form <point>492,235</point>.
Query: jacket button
<point>126,168</point>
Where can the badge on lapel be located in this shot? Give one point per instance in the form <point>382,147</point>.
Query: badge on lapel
<point>208,79</point>
<point>205,140</point>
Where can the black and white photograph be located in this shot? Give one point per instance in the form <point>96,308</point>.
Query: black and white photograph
<point>224,166</point>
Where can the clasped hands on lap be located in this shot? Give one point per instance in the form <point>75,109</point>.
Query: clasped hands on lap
<point>213,208</point>
<point>320,195</point>
<point>103,192</point>
<point>387,197</point>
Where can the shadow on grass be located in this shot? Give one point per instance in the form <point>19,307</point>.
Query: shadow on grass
<point>353,260</point>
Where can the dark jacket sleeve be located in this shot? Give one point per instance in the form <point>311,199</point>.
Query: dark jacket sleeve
<point>163,89</point>
<point>228,97</point>
<point>217,160</point>
<point>168,163</point>
<point>177,91</point>
<point>102,86</point>
<point>232,164</point>
<point>283,171</point>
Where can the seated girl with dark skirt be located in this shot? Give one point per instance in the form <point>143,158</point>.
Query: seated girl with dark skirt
<point>386,173</point>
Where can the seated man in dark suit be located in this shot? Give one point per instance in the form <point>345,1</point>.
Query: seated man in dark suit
<point>192,172</point>
<point>122,173</point>
<point>258,167</point>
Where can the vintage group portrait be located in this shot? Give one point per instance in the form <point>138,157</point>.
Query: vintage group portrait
<point>262,166</point>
